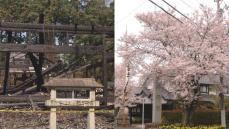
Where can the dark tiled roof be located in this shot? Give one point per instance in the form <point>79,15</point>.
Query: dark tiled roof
<point>73,83</point>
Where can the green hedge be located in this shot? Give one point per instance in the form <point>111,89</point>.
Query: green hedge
<point>196,127</point>
<point>171,117</point>
<point>199,118</point>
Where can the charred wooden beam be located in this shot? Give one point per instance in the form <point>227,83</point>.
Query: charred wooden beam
<point>7,66</point>
<point>8,105</point>
<point>105,94</point>
<point>6,75</point>
<point>44,48</point>
<point>33,27</point>
<point>22,98</point>
<point>38,62</point>
<point>29,82</point>
<point>19,66</point>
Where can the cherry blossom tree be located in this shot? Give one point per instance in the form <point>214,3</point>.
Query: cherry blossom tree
<point>183,51</point>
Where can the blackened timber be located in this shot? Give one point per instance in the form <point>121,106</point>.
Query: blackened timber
<point>33,27</point>
<point>104,70</point>
<point>6,75</point>
<point>29,82</point>
<point>44,48</point>
<point>19,65</point>
<point>39,64</point>
<point>22,98</point>
<point>8,105</point>
<point>7,66</point>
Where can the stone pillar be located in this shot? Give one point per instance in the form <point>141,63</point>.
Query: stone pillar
<point>156,101</point>
<point>91,119</point>
<point>91,113</point>
<point>122,118</point>
<point>52,119</point>
<point>92,95</point>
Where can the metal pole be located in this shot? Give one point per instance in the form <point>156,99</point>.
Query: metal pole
<point>143,113</point>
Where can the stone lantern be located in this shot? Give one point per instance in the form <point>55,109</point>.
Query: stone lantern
<point>72,92</point>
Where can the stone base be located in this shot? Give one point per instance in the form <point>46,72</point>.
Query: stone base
<point>152,125</point>
<point>122,118</point>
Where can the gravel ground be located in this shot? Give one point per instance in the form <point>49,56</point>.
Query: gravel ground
<point>12,120</point>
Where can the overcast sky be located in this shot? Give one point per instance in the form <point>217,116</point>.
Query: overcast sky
<point>125,11</point>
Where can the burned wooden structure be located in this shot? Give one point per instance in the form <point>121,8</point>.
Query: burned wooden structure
<point>36,52</point>
<point>43,48</point>
<point>79,29</point>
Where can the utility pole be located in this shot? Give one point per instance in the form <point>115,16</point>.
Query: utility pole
<point>221,94</point>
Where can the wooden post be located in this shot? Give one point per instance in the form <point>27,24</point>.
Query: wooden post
<point>105,92</point>
<point>52,119</point>
<point>6,75</point>
<point>40,79</point>
<point>7,65</point>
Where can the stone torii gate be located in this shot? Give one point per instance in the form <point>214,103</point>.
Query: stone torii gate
<point>72,92</point>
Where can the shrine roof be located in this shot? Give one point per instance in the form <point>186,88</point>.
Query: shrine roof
<point>73,83</point>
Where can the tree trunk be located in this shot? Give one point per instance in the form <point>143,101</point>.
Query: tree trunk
<point>187,114</point>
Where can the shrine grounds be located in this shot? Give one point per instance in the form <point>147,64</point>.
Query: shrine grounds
<point>36,120</point>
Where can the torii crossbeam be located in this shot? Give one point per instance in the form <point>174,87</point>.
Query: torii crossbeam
<point>44,48</point>
<point>34,27</point>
